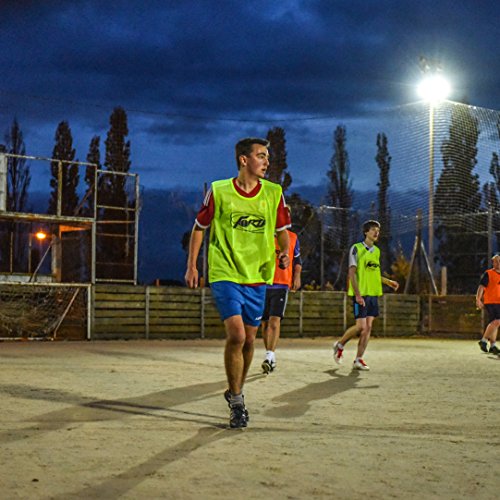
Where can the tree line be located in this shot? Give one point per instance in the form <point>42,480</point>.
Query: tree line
<point>458,198</point>
<point>65,174</point>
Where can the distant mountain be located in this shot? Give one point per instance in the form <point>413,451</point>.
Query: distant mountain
<point>165,216</point>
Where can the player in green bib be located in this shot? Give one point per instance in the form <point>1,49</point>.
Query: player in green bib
<point>365,286</point>
<point>243,213</point>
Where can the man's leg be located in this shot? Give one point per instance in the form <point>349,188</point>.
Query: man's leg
<point>265,333</point>
<point>273,333</point>
<point>272,336</point>
<point>338,347</point>
<point>350,333</point>
<point>490,331</point>
<point>248,349</point>
<point>238,356</point>
<point>233,353</point>
<point>493,336</point>
<point>366,329</point>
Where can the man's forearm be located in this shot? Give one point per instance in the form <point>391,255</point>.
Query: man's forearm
<point>195,243</point>
<point>354,283</point>
<point>283,241</point>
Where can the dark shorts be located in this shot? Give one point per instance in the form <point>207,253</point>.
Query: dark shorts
<point>370,309</point>
<point>275,303</point>
<point>493,311</point>
<point>233,299</point>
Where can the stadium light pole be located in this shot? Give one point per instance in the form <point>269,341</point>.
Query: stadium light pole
<point>434,88</point>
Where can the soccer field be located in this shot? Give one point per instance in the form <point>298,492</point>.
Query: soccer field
<point>140,420</point>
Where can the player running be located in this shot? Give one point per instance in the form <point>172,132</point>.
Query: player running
<point>488,297</point>
<point>365,286</point>
<point>276,299</point>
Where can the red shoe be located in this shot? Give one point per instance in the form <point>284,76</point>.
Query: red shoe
<point>338,353</point>
<point>359,364</point>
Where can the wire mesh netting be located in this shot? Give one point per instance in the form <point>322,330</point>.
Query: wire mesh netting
<point>38,310</point>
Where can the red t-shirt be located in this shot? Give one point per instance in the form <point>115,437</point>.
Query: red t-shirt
<point>206,212</point>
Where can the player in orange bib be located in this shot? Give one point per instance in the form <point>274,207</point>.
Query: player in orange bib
<point>488,297</point>
<point>276,299</point>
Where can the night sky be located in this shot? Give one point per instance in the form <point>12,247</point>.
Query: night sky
<point>195,76</point>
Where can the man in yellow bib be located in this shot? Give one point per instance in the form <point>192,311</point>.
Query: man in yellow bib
<point>243,214</point>
<point>365,286</point>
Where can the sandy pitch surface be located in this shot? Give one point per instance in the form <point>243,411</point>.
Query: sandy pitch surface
<point>139,420</point>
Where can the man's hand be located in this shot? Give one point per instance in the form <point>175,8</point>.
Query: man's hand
<point>360,300</point>
<point>195,241</point>
<point>284,260</point>
<point>296,283</point>
<point>393,284</point>
<point>479,303</point>
<point>191,278</point>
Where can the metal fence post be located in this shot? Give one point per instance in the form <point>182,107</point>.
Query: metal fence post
<point>146,313</point>
<point>322,249</point>
<point>301,309</point>
<point>345,311</point>
<point>384,301</point>
<point>202,313</point>
<point>490,232</point>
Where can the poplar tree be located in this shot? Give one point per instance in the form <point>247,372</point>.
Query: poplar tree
<point>383,160</point>
<point>340,196</point>
<point>116,246</point>
<point>93,156</point>
<point>117,157</point>
<point>63,150</point>
<point>18,182</point>
<point>456,201</point>
<point>277,171</point>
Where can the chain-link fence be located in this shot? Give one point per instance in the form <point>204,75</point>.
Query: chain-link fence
<point>463,247</point>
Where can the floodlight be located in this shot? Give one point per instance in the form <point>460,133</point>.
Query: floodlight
<point>434,88</point>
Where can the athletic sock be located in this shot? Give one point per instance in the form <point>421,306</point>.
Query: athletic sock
<point>270,355</point>
<point>339,345</point>
<point>236,399</point>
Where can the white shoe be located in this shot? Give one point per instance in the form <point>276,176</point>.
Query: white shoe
<point>359,364</point>
<point>338,353</point>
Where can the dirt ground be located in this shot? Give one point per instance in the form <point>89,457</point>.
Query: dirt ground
<point>139,420</point>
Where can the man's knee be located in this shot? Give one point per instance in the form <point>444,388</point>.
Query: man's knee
<point>235,341</point>
<point>234,335</point>
<point>274,323</point>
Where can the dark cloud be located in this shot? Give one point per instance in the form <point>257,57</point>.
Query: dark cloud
<point>308,57</point>
<point>178,66</point>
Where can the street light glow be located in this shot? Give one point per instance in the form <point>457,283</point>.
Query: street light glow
<point>41,235</point>
<point>434,88</point>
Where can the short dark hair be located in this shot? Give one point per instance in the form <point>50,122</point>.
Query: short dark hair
<point>244,146</point>
<point>369,224</point>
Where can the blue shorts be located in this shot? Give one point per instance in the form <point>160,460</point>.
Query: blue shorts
<point>370,309</point>
<point>233,299</point>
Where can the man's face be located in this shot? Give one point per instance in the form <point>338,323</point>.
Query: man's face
<point>373,233</point>
<point>496,264</point>
<point>257,162</point>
